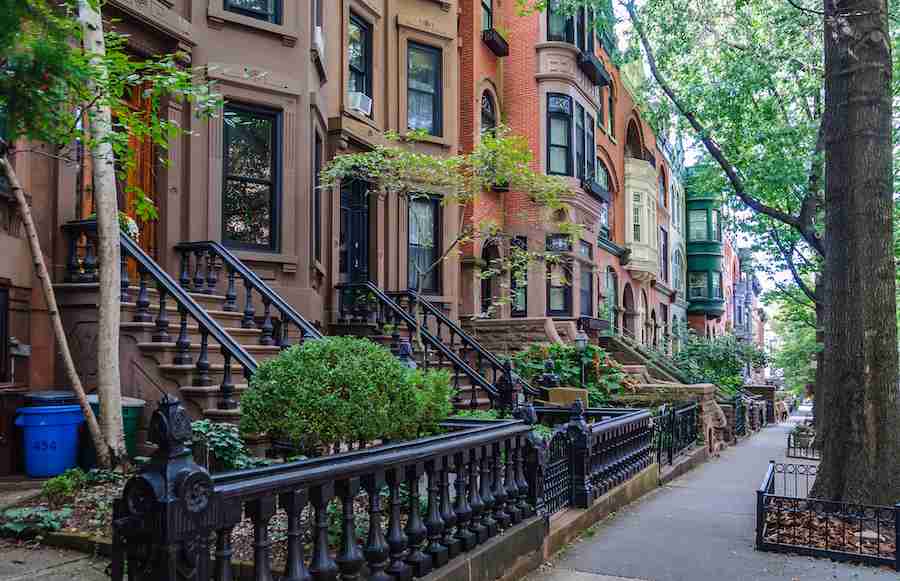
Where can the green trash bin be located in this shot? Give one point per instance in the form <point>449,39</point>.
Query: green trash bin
<point>132,409</point>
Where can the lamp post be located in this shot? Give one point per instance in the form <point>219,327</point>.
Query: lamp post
<point>581,342</point>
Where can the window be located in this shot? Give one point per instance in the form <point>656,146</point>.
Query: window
<point>267,10</point>
<point>488,113</point>
<point>317,197</point>
<point>586,283</point>
<point>559,290</point>
<point>603,230</point>
<point>424,243</point>
<point>559,243</point>
<point>663,255</point>
<point>697,226</point>
<point>678,271</point>
<point>250,189</point>
<point>716,285</point>
<point>663,201</point>
<point>487,14</point>
<point>559,146</point>
<point>591,146</point>
<point>317,12</point>
<point>359,48</point>
<point>519,278</point>
<point>602,174</point>
<point>579,141</point>
<point>698,286</point>
<point>580,25</point>
<point>638,212</point>
<point>611,112</point>
<point>612,296</point>
<point>424,104</point>
<point>560,27</point>
<point>716,226</point>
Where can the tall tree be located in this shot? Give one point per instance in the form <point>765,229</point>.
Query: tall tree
<point>861,415</point>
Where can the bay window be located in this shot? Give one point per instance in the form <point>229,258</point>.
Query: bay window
<point>716,278</point>
<point>579,141</point>
<point>638,216</point>
<point>716,226</point>
<point>424,102</point>
<point>697,228</point>
<point>560,28</point>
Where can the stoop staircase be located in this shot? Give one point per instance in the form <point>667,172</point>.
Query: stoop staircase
<point>203,335</point>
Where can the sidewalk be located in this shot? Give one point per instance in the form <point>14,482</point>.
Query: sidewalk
<point>45,564</point>
<point>698,527</point>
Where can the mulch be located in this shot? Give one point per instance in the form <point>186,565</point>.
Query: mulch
<point>806,528</point>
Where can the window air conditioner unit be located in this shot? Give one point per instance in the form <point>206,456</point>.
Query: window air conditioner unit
<point>318,45</point>
<point>361,103</point>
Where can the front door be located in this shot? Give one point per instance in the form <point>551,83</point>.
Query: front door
<point>354,241</point>
<point>140,177</point>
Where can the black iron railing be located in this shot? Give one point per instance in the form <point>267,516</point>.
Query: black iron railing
<point>200,264</point>
<point>678,431</point>
<point>789,521</point>
<point>475,481</point>
<point>802,446</point>
<point>82,267</point>
<point>600,455</point>
<point>365,302</point>
<point>477,356</point>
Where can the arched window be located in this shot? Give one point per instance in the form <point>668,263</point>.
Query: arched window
<point>488,113</point>
<point>663,198</point>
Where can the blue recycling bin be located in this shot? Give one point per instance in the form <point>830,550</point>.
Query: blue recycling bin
<point>50,437</point>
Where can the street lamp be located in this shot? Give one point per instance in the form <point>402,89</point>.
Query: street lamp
<point>581,343</point>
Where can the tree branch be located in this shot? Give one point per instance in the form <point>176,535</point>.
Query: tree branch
<point>711,146</point>
<point>788,255</point>
<point>805,9</point>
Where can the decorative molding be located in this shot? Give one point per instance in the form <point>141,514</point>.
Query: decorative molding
<point>424,24</point>
<point>254,77</point>
<point>160,15</point>
<point>217,16</point>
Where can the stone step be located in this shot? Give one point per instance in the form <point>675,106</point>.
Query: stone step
<point>207,397</point>
<point>166,351</point>
<point>184,375</point>
<point>143,333</point>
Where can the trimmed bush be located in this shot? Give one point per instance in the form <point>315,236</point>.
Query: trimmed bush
<point>343,389</point>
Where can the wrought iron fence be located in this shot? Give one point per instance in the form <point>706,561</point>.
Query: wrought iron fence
<point>558,473</point>
<point>677,433</point>
<point>740,416</point>
<point>478,480</point>
<point>802,447</point>
<point>788,520</point>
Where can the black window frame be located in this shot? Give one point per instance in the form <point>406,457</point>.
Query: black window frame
<point>438,95</point>
<point>716,292</point>
<point>318,158</point>
<point>568,34</point>
<point>664,254</point>
<point>580,141</point>
<point>366,37</point>
<point>277,166</point>
<point>586,275</point>
<point>274,17</point>
<point>611,111</point>
<point>435,201</point>
<point>590,145</point>
<point>554,112</point>
<point>566,311</point>
<point>520,242</point>
<point>487,14</point>
<point>486,97</point>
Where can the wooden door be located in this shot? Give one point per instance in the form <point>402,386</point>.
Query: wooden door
<point>140,177</point>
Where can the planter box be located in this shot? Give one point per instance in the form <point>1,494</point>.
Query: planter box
<point>495,42</point>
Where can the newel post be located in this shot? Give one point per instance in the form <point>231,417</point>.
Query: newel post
<point>535,454</point>
<point>507,388</point>
<point>580,457</point>
<point>162,522</point>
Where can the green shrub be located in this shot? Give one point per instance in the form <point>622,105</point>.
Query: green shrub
<point>603,376</point>
<point>224,444</point>
<point>342,389</point>
<point>30,521</point>
<point>62,489</point>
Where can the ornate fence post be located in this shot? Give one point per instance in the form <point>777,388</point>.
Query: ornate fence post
<point>580,458</point>
<point>163,521</point>
<point>535,451</point>
<point>507,388</point>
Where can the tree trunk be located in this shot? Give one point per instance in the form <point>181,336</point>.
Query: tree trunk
<point>861,454</point>
<point>108,247</point>
<point>40,270</point>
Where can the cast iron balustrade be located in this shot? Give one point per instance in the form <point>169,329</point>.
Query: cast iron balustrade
<point>789,521</point>
<point>678,431</point>
<point>615,446</point>
<point>740,416</point>
<point>495,41</point>
<point>476,478</point>
<point>365,302</point>
<point>470,350</point>
<point>657,358</point>
<point>203,259</point>
<point>82,267</point>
